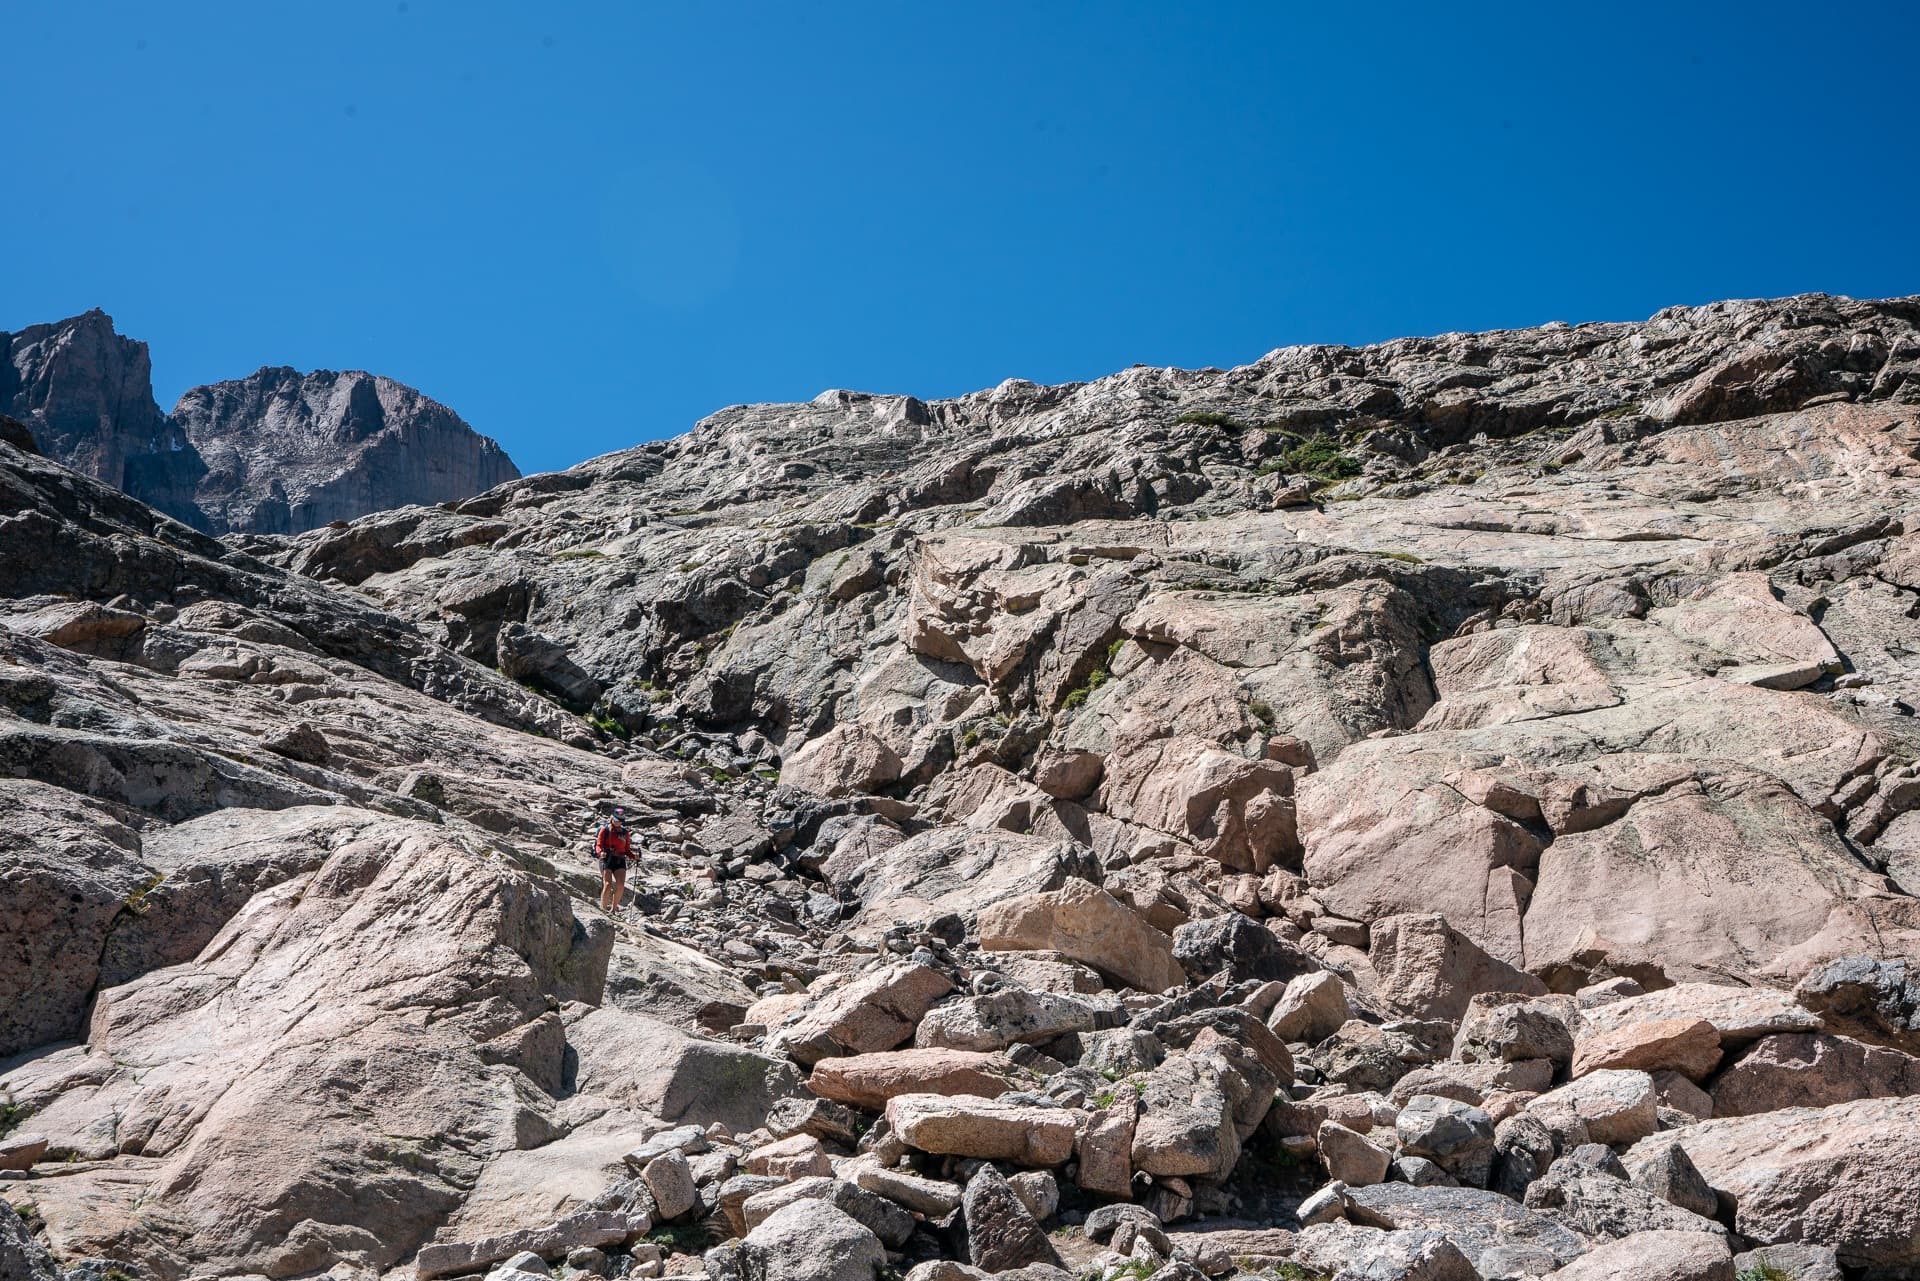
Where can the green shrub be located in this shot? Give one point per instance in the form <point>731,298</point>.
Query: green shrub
<point>1099,676</point>
<point>608,726</point>
<point>1321,458</point>
<point>1209,418</point>
<point>1288,1270</point>
<point>684,1238</point>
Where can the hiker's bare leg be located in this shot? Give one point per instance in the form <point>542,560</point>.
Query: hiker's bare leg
<point>606,889</point>
<point>619,889</point>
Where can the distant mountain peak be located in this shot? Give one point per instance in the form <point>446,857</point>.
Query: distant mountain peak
<point>280,451</point>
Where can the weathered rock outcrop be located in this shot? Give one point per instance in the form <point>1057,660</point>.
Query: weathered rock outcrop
<point>1445,807</point>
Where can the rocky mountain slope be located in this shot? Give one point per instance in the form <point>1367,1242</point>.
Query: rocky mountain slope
<point>1439,810</point>
<point>278,452</point>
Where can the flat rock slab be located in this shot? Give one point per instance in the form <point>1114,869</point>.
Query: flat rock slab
<point>1740,1014</point>
<point>1473,1219</point>
<point>984,1128</point>
<point>1654,1256</point>
<point>592,1229</point>
<point>1689,1046</point>
<point>869,1080</point>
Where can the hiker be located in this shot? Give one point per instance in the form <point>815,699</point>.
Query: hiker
<point>613,846</point>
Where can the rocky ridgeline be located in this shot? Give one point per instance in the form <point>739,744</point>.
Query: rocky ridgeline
<point>1440,810</point>
<point>276,453</point>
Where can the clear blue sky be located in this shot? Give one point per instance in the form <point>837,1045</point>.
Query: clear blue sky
<point>586,225</point>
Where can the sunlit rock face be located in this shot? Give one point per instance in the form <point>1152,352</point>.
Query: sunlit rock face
<point>1449,808</point>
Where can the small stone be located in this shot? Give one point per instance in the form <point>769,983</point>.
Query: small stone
<point>20,1150</point>
<point>1420,1172</point>
<point>1326,1204</point>
<point>1669,1173</point>
<point>1039,1191</point>
<point>670,1179</point>
<point>1350,1159</point>
<point>1311,1008</point>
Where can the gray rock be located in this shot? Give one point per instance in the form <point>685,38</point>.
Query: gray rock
<point>1420,1172</point>
<point>1602,1207</point>
<point>1239,948</point>
<point>1597,1157</point>
<point>287,452</point>
<point>882,1217</point>
<point>21,1257</point>
<point>86,394</point>
<point>1880,997</point>
<point>826,1120</point>
<point>1353,1253</point>
<point>1001,1234</point>
<point>809,1240</point>
<point>1505,1027</point>
<point>1523,1150</point>
<point>69,868</point>
<point>590,1260</point>
<point>1669,1173</point>
<point>1039,1191</point>
<point>1457,1136</point>
<point>527,1261</point>
<point>1471,1218</point>
<point>1103,1221</point>
<point>670,1179</point>
<point>1007,1016</point>
<point>1516,1263</point>
<point>1324,1205</point>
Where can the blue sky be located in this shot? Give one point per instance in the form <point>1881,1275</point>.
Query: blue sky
<point>587,225</point>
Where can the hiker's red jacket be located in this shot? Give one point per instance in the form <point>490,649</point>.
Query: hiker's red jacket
<point>614,841</point>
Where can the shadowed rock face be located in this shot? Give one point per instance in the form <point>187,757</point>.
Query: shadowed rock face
<point>279,452</point>
<point>288,452</point>
<point>1440,762</point>
<point>87,395</point>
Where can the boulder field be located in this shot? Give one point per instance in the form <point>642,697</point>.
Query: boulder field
<point>1441,810</point>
